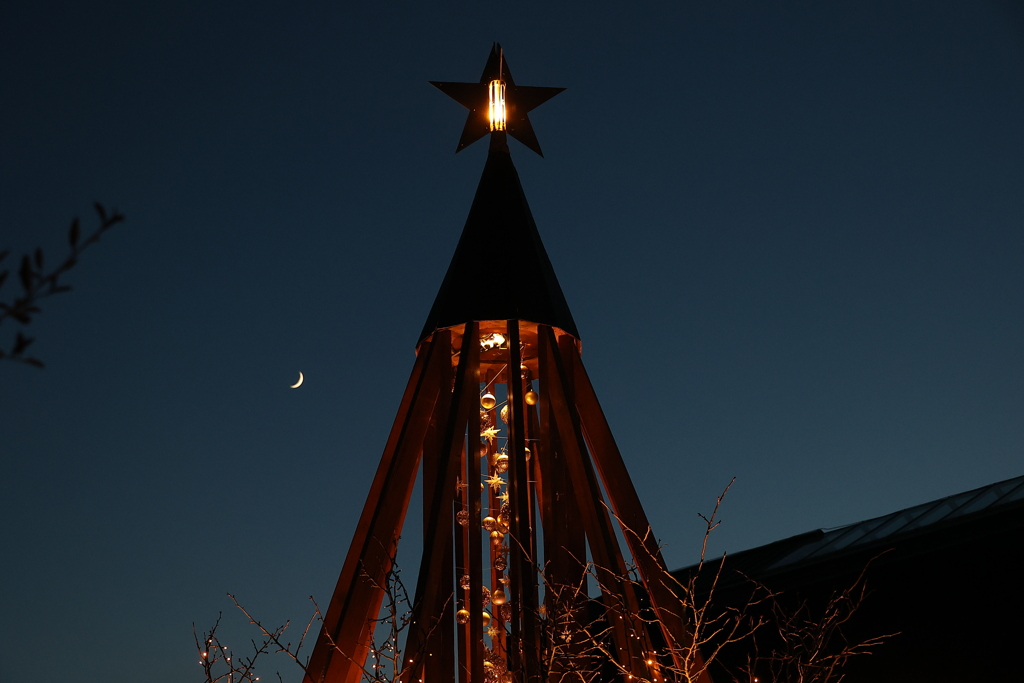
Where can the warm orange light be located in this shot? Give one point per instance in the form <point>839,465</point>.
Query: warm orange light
<point>495,340</point>
<point>496,104</point>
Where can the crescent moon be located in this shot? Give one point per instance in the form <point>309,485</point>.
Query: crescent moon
<point>299,383</point>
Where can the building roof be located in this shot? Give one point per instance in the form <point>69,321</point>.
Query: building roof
<point>940,577</point>
<point>904,523</point>
<point>937,522</point>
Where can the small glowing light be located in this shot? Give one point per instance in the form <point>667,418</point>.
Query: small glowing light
<point>496,104</point>
<point>495,340</point>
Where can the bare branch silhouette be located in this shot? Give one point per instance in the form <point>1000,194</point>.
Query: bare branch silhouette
<point>37,283</point>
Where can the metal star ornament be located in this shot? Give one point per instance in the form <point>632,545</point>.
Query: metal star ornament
<point>497,105</point>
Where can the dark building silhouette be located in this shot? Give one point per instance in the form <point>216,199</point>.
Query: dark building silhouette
<point>946,576</point>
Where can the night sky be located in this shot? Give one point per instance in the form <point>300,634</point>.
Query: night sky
<point>791,235</point>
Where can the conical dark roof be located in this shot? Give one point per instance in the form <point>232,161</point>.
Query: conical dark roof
<point>500,270</point>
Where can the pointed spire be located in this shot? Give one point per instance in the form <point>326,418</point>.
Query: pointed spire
<point>500,270</point>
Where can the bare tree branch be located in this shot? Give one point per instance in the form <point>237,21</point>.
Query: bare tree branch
<point>37,283</point>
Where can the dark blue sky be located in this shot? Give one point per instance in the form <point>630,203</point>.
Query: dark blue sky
<point>791,234</point>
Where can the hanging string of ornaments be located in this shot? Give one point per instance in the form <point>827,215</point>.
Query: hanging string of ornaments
<point>493,435</point>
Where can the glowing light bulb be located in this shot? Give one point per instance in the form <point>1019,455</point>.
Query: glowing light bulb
<point>496,104</point>
<point>495,340</point>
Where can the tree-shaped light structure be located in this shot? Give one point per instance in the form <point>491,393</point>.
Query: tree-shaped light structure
<point>526,500</point>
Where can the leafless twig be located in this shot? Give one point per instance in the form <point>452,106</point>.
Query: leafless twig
<point>37,283</point>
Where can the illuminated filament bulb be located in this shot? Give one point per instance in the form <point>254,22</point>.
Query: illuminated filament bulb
<point>496,104</point>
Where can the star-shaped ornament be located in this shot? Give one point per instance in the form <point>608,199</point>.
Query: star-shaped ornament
<point>519,101</point>
<point>491,433</point>
<point>495,482</point>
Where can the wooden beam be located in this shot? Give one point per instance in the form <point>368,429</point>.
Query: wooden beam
<point>643,544</point>
<point>617,591</point>
<point>439,640</point>
<point>524,575</point>
<point>341,647</point>
<point>433,588</point>
<point>475,606</point>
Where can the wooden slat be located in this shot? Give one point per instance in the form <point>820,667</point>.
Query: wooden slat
<point>440,643</point>
<point>624,500</point>
<point>525,578</point>
<point>432,591</point>
<point>341,647</point>
<point>564,541</point>
<point>461,546</point>
<point>609,564</point>
<point>475,606</point>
